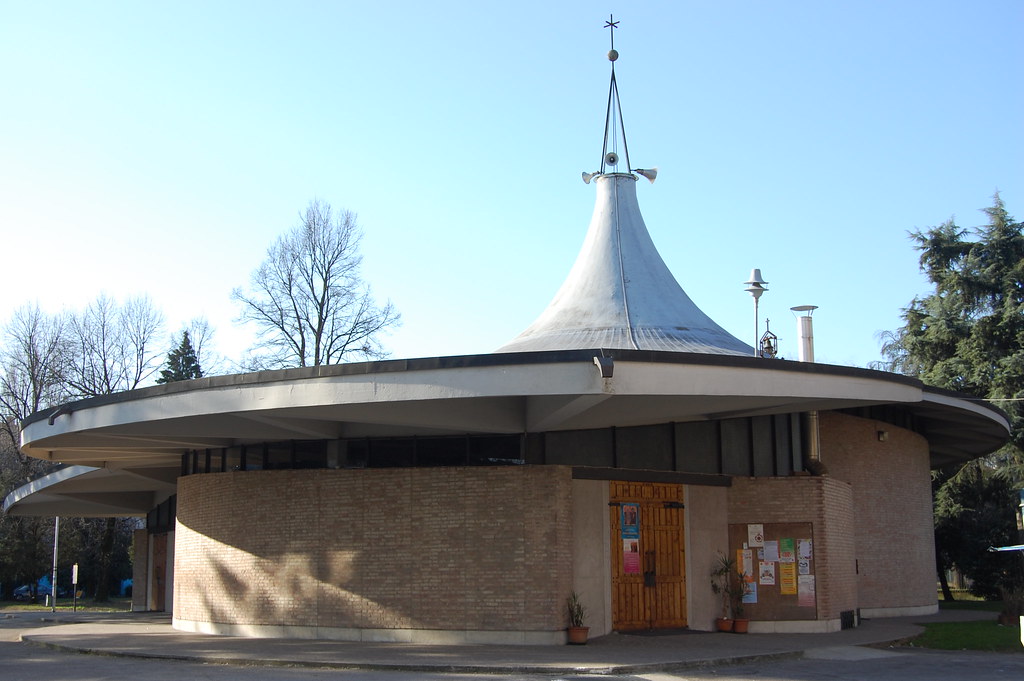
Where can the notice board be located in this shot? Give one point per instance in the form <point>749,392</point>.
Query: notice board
<point>778,560</point>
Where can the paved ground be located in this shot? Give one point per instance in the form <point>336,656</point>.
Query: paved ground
<point>151,636</point>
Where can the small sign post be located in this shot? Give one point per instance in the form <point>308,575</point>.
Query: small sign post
<point>74,586</point>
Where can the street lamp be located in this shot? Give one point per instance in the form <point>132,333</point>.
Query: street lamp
<point>756,287</point>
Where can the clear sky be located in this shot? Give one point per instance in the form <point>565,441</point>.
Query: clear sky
<point>160,148</point>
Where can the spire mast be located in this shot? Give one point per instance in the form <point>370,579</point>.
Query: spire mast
<point>614,127</point>
<point>614,110</point>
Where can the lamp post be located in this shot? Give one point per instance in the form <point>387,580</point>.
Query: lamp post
<point>53,579</point>
<point>756,287</point>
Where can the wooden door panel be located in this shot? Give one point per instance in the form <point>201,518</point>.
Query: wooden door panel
<point>656,597</point>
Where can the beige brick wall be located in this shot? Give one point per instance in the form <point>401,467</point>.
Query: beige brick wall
<point>140,570</point>
<point>824,502</point>
<point>486,549</point>
<point>707,534</point>
<point>893,506</point>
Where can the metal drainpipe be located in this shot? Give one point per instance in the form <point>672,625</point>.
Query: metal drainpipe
<point>812,436</point>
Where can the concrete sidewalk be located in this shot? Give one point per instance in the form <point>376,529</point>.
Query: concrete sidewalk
<point>150,635</point>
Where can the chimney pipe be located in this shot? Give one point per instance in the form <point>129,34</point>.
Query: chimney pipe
<point>805,332</point>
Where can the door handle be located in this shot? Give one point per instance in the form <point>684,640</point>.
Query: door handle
<point>650,569</point>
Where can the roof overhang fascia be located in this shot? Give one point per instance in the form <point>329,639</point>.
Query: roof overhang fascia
<point>497,393</point>
<point>86,491</point>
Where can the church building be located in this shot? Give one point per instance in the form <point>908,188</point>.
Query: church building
<point>618,448</point>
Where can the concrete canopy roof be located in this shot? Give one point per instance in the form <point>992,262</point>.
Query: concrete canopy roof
<point>480,394</point>
<point>88,492</point>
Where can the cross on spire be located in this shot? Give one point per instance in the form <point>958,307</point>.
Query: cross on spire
<point>611,25</point>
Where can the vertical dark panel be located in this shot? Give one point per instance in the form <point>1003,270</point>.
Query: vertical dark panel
<point>762,444</point>
<point>797,442</point>
<point>644,447</point>
<point>533,448</point>
<point>697,447</point>
<point>580,448</point>
<point>783,445</point>
<point>736,454</point>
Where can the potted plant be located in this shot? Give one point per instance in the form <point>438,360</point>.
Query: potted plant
<point>577,631</point>
<point>727,583</point>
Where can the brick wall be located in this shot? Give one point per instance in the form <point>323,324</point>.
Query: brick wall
<point>486,549</point>
<point>893,505</point>
<point>824,502</point>
<point>140,570</point>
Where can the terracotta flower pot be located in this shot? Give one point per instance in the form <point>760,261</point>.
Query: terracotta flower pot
<point>740,626</point>
<point>578,635</point>
<point>724,624</point>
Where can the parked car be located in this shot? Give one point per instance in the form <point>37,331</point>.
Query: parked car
<point>24,592</point>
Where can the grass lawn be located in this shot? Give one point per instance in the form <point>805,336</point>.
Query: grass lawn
<point>985,635</point>
<point>67,605</point>
<point>991,606</point>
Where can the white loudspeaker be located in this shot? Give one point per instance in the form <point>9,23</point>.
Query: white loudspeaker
<point>649,173</point>
<point>611,158</point>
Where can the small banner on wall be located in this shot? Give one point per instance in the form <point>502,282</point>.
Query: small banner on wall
<point>805,585</point>
<point>787,579</point>
<point>755,534</point>
<point>629,529</point>
<point>766,573</point>
<point>630,520</point>
<point>631,556</point>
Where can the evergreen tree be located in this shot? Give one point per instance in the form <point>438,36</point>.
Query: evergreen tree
<point>182,363</point>
<point>968,335</point>
<point>973,511</point>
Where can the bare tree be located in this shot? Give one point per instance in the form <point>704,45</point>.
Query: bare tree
<point>114,346</point>
<point>307,299</point>
<point>201,334</point>
<point>46,360</point>
<point>34,356</point>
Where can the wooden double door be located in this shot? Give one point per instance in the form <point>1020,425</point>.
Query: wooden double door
<point>648,556</point>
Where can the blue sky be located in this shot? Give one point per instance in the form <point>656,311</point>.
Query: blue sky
<point>160,148</point>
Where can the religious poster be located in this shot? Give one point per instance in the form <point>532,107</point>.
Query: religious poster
<point>805,590</point>
<point>755,535</point>
<point>787,579</point>
<point>631,556</point>
<point>766,573</point>
<point>630,520</point>
<point>787,551</point>
<point>771,551</point>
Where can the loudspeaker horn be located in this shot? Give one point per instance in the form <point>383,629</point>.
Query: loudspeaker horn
<point>611,158</point>
<point>649,173</point>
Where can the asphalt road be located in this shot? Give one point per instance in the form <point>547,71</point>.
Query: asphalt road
<point>24,662</point>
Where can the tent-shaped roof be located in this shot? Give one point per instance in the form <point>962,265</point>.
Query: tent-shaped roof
<point>620,293</point>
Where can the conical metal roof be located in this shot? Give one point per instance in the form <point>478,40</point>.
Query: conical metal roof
<point>620,293</point>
